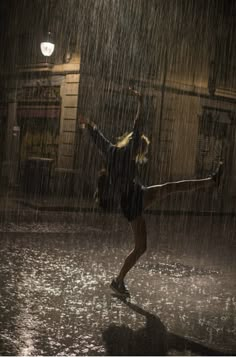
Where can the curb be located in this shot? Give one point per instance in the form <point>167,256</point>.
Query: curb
<point>69,215</point>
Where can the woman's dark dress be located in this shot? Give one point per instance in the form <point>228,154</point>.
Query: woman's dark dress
<point>122,171</point>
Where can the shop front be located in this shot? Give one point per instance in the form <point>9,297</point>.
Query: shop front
<point>3,130</point>
<point>38,117</point>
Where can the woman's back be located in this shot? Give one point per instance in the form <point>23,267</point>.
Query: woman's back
<point>121,167</point>
<point>120,161</point>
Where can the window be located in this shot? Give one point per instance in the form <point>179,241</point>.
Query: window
<point>213,134</point>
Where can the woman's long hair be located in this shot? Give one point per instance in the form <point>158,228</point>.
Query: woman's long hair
<point>141,157</point>
<point>105,191</point>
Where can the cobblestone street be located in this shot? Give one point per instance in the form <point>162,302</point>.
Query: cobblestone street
<point>55,297</point>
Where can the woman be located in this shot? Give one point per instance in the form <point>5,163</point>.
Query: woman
<point>119,182</point>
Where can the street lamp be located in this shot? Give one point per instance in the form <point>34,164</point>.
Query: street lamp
<point>47,47</point>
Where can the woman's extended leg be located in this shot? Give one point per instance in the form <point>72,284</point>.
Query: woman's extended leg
<point>140,237</point>
<point>159,192</point>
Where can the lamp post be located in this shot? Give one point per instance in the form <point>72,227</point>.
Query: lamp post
<point>47,46</point>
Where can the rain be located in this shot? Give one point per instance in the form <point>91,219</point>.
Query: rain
<point>62,64</point>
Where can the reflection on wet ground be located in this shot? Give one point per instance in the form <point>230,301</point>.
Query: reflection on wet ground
<point>55,297</point>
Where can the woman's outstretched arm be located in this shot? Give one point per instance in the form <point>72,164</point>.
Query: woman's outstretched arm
<point>102,143</point>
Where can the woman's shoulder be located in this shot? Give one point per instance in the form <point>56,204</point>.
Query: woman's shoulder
<point>118,152</point>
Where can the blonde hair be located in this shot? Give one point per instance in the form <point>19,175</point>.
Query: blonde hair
<point>144,143</point>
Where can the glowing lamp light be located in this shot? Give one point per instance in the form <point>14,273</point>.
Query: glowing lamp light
<point>47,47</point>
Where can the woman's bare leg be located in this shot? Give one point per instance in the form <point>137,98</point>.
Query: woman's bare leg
<point>138,225</point>
<point>140,237</point>
<point>159,192</point>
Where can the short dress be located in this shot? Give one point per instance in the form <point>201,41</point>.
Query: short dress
<point>132,202</point>
<point>122,170</point>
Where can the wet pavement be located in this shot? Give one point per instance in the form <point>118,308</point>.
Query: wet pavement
<point>55,297</point>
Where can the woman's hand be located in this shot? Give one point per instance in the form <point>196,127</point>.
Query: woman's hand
<point>134,92</point>
<point>87,122</point>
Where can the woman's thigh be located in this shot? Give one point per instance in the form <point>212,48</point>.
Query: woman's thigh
<point>160,192</point>
<point>151,194</point>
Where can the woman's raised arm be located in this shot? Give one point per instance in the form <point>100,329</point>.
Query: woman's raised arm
<point>138,120</point>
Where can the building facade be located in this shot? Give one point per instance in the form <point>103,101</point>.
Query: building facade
<point>185,70</point>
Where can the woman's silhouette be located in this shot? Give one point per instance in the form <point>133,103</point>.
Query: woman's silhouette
<point>118,182</point>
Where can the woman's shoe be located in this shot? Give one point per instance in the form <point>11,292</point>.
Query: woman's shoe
<point>217,175</point>
<point>119,288</point>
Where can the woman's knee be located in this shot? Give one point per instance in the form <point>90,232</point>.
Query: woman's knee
<point>140,249</point>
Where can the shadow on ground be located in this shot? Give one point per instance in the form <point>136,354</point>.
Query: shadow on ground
<point>151,340</point>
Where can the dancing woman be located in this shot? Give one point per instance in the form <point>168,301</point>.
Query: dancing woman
<point>119,181</point>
